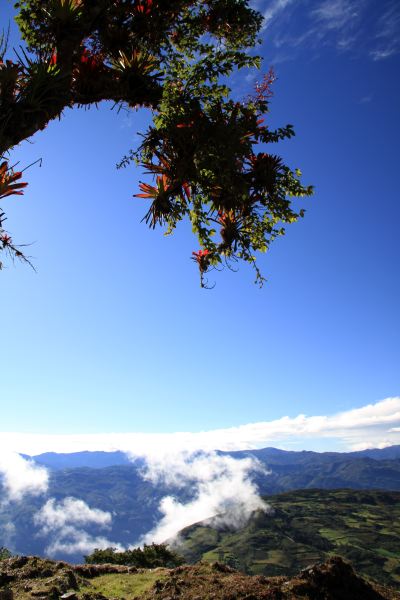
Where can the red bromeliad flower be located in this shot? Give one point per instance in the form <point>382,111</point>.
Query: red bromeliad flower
<point>183,125</point>
<point>143,6</point>
<point>149,191</point>
<point>200,254</point>
<point>202,257</point>
<point>153,191</point>
<point>186,190</point>
<point>163,169</point>
<point>8,187</point>
<point>90,60</point>
<point>53,59</point>
<point>6,240</point>
<point>163,206</point>
<point>230,230</point>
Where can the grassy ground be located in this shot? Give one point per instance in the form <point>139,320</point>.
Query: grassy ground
<point>123,585</point>
<point>32,578</point>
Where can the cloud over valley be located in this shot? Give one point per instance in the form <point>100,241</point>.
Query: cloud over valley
<point>188,476</point>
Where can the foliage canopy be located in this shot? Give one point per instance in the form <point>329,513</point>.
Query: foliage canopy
<point>202,149</point>
<point>148,557</point>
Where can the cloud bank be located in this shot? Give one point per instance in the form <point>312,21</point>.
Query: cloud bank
<point>372,424</point>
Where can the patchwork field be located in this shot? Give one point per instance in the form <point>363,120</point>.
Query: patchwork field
<point>308,526</point>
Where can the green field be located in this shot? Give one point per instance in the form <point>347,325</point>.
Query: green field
<point>309,526</point>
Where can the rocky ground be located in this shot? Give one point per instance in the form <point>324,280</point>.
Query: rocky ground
<point>32,578</point>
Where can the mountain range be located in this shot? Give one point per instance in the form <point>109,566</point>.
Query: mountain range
<point>269,456</point>
<point>110,482</point>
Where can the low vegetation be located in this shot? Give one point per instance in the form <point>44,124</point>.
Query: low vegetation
<point>150,556</point>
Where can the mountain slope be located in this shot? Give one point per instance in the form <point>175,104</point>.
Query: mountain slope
<point>304,527</point>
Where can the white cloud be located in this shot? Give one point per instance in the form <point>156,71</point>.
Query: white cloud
<point>70,510</point>
<point>64,521</point>
<point>367,445</point>
<point>74,541</point>
<point>19,476</point>
<point>221,489</point>
<point>374,422</point>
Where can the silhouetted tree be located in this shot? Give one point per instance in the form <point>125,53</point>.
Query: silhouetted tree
<point>173,56</point>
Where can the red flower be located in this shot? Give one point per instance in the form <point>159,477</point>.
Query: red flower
<point>5,239</point>
<point>90,60</point>
<point>186,190</point>
<point>8,187</point>
<point>151,191</point>
<point>200,254</point>
<point>202,257</point>
<point>144,6</point>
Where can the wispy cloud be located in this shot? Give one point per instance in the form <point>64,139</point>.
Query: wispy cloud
<point>366,99</point>
<point>388,33</point>
<point>336,14</point>
<point>64,522</point>
<point>275,9</point>
<point>358,26</point>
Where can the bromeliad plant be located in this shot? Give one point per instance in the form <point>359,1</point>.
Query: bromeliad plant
<point>209,154</point>
<point>9,181</point>
<point>10,185</point>
<point>239,199</point>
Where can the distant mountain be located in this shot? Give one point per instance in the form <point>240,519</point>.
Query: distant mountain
<point>305,527</point>
<point>274,456</point>
<point>269,456</point>
<point>74,460</point>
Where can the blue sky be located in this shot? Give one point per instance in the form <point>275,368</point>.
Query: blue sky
<point>113,332</point>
